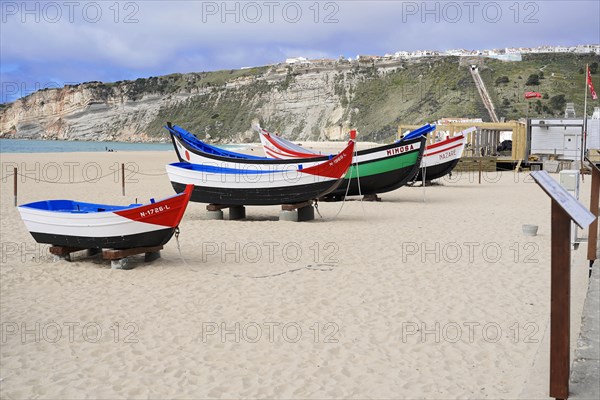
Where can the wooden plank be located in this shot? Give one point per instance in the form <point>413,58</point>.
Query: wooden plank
<point>560,302</point>
<point>292,207</point>
<point>470,164</point>
<point>63,250</point>
<point>115,254</point>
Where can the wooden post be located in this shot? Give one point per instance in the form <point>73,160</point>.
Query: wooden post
<point>480,167</point>
<point>560,302</point>
<point>564,209</point>
<point>123,177</point>
<point>594,200</point>
<point>15,184</point>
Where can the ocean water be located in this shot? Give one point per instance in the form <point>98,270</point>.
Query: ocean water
<point>66,146</point>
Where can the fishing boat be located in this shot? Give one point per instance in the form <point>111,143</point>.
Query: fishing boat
<point>377,170</point>
<point>439,159</point>
<point>271,185</point>
<point>89,226</point>
<point>442,157</point>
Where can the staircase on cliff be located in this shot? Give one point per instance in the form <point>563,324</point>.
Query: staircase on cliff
<point>485,97</point>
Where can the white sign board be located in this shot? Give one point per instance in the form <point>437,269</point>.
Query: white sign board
<point>577,211</point>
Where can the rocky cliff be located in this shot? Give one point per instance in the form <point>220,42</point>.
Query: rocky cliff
<point>317,101</point>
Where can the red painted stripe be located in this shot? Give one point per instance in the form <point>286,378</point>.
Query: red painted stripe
<point>167,212</point>
<point>444,142</point>
<point>443,150</point>
<point>334,168</point>
<point>271,154</point>
<point>276,154</point>
<point>290,152</point>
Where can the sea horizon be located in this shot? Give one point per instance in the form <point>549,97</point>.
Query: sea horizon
<point>80,146</point>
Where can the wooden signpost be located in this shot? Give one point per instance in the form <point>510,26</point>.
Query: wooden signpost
<point>594,200</point>
<point>565,208</point>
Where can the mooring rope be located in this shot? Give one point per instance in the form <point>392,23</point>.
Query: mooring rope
<point>358,182</point>
<point>310,267</point>
<point>94,180</point>
<point>343,200</point>
<point>145,174</point>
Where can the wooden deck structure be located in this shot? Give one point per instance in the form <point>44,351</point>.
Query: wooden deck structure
<point>485,139</point>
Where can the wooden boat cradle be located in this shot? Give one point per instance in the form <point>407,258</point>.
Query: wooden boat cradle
<point>117,257</point>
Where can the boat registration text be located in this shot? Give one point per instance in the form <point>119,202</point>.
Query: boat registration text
<point>400,149</point>
<point>155,210</point>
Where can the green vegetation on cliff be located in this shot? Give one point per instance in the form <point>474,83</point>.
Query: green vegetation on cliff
<point>560,78</point>
<point>375,101</point>
<point>311,102</point>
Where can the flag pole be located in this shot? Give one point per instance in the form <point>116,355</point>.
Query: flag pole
<point>584,136</point>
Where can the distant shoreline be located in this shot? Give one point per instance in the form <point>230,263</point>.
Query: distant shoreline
<point>28,146</point>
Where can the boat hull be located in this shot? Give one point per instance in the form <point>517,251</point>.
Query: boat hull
<point>380,169</point>
<point>441,158</point>
<point>259,196</point>
<point>438,160</point>
<point>381,175</point>
<point>147,239</point>
<point>268,185</point>
<point>437,171</point>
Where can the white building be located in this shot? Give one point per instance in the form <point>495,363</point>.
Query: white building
<point>557,137</point>
<point>458,52</point>
<point>401,54</point>
<point>588,48</point>
<point>593,129</point>
<point>297,60</point>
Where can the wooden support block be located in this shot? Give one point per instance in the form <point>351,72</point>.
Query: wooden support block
<point>115,254</point>
<point>371,197</point>
<point>293,207</point>
<point>64,250</point>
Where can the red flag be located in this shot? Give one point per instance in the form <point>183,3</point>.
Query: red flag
<point>591,85</point>
<point>531,95</point>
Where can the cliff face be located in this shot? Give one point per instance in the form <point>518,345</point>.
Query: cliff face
<point>89,111</point>
<point>316,102</point>
<point>320,101</point>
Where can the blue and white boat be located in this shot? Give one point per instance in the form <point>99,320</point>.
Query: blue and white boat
<point>82,225</point>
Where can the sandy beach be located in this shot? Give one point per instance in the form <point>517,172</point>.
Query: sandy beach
<point>431,293</point>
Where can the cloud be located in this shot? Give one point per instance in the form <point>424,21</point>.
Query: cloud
<point>97,40</point>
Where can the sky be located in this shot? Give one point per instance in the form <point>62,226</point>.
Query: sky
<point>46,44</point>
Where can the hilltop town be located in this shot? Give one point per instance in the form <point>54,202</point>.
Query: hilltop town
<point>505,54</point>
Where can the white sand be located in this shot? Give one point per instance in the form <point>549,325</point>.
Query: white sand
<point>359,302</point>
